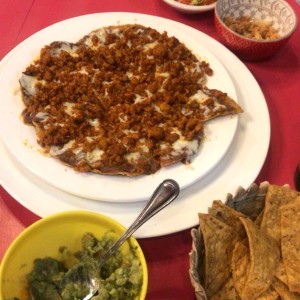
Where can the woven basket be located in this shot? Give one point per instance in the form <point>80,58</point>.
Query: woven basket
<point>250,202</point>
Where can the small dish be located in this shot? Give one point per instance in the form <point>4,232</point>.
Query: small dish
<point>47,236</point>
<point>190,9</point>
<point>278,12</point>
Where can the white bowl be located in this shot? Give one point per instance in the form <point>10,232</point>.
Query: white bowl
<point>190,9</point>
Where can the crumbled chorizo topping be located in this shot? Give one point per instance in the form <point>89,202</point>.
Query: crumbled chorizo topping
<point>123,100</point>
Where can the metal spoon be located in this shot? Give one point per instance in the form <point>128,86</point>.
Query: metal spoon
<point>82,274</point>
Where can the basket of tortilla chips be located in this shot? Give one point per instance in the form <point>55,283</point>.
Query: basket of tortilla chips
<point>248,247</point>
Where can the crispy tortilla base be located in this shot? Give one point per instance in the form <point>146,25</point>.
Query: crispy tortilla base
<point>123,100</point>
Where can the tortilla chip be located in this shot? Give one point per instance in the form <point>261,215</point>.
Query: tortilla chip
<point>259,218</point>
<point>290,243</point>
<point>284,292</point>
<point>281,273</point>
<point>264,258</point>
<point>228,215</point>
<point>276,196</point>
<point>227,291</point>
<point>270,294</point>
<point>219,239</point>
<point>240,266</point>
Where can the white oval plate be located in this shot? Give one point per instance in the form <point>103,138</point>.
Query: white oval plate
<point>240,166</point>
<point>20,139</point>
<point>190,9</point>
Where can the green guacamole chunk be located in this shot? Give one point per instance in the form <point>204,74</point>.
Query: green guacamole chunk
<point>120,277</point>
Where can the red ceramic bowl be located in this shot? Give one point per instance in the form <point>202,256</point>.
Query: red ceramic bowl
<point>280,12</point>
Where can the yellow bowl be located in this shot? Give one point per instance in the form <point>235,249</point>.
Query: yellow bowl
<point>44,237</point>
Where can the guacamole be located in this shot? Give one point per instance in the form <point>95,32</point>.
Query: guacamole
<point>120,277</point>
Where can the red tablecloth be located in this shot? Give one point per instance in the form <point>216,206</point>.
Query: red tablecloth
<point>278,77</point>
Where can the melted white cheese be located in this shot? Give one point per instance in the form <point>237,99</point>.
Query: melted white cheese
<point>94,122</point>
<point>94,156</point>
<point>199,97</point>
<point>67,47</point>
<point>28,83</point>
<point>100,34</point>
<point>123,118</point>
<point>132,157</point>
<point>182,145</point>
<point>58,151</point>
<point>42,116</point>
<point>150,45</point>
<point>139,98</point>
<point>69,108</point>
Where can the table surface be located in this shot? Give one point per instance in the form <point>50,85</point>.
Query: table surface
<point>278,77</point>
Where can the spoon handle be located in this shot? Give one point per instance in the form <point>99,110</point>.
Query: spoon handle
<point>164,194</point>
